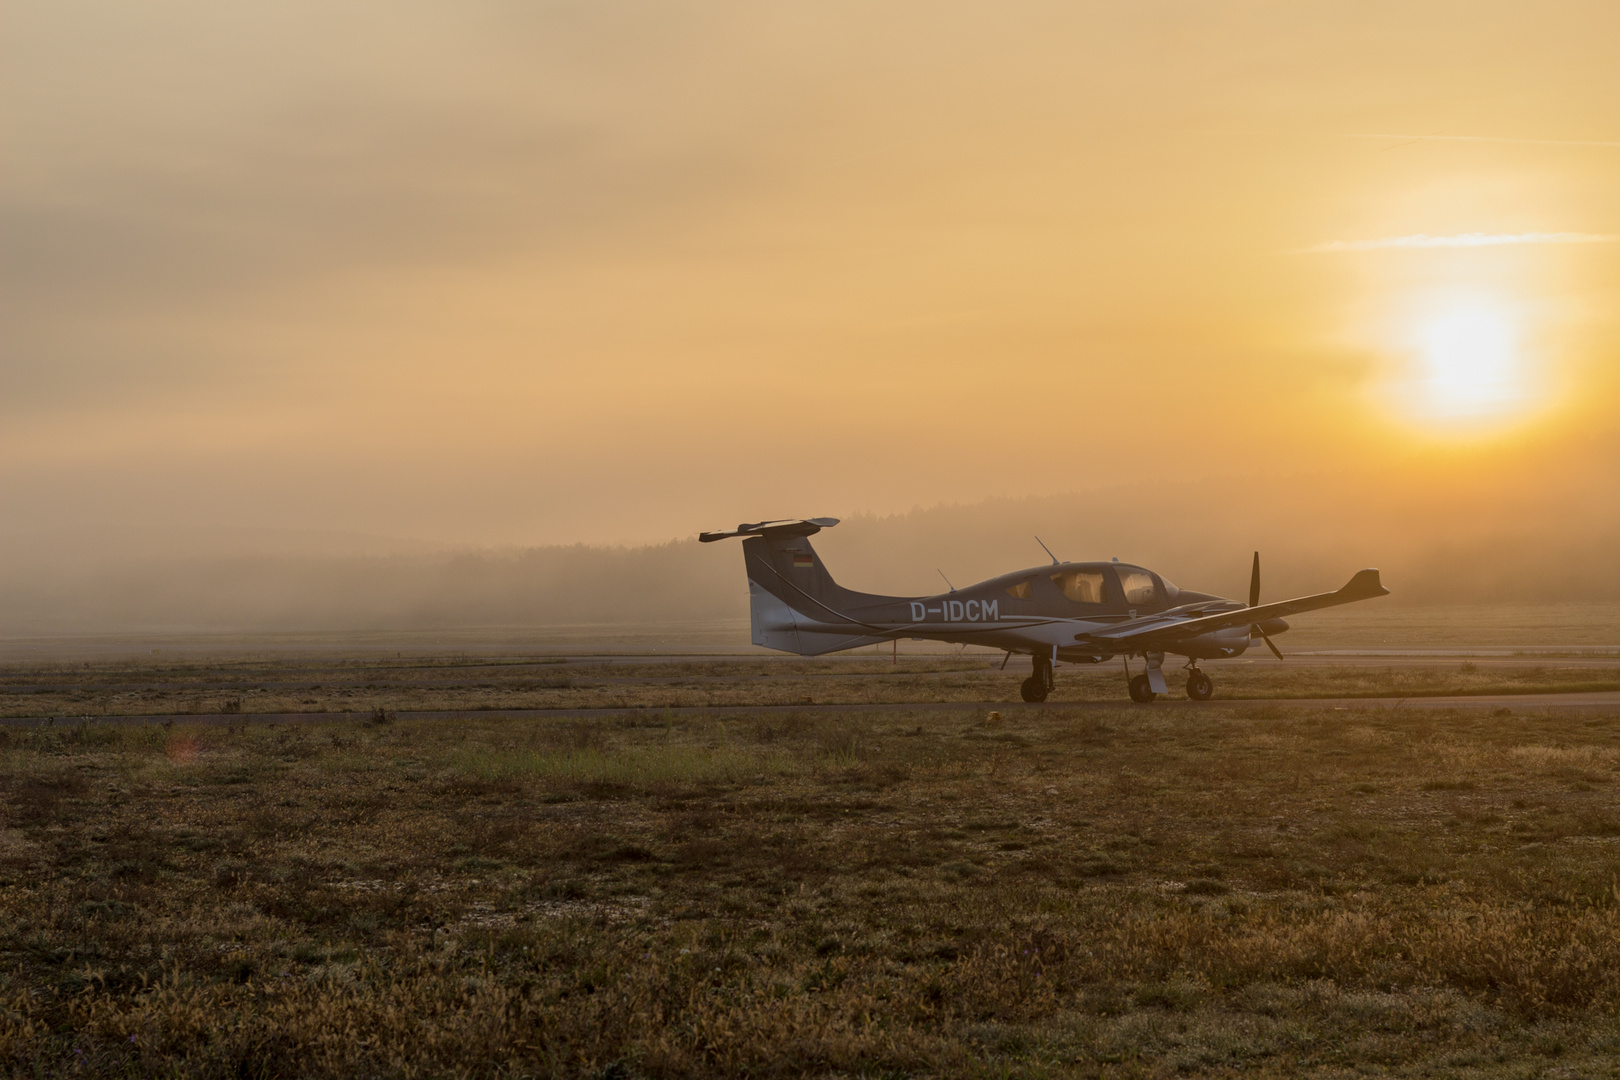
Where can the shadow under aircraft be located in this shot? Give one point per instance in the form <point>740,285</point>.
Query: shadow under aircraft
<point>1072,613</point>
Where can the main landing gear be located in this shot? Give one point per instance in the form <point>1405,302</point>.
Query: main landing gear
<point>1150,683</point>
<point>1039,683</point>
<point>1144,686</point>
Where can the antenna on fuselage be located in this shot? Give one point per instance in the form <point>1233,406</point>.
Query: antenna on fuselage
<point>1048,550</point>
<point>941,573</point>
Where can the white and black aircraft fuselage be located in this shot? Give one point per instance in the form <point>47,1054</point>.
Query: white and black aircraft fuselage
<point>1076,613</point>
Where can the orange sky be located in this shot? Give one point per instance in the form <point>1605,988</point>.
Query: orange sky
<point>500,273</point>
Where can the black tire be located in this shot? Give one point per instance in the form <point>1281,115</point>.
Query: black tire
<point>1200,686</point>
<point>1141,690</point>
<point>1032,690</point>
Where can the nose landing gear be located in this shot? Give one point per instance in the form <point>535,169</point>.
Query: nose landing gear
<point>1199,686</point>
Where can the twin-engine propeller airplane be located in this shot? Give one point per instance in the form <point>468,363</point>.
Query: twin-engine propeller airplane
<point>1074,613</point>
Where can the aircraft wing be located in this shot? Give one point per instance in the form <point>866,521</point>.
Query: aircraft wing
<point>1168,628</point>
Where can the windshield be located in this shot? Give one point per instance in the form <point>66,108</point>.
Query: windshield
<point>1136,584</point>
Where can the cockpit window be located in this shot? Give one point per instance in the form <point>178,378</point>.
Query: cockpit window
<point>1019,591</point>
<point>1137,585</point>
<point>1170,589</point>
<point>1081,586</point>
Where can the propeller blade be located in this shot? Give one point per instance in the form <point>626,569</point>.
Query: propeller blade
<point>1254,582</point>
<point>1004,660</point>
<point>1272,645</point>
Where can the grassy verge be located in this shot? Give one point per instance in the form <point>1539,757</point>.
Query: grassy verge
<point>1260,889</point>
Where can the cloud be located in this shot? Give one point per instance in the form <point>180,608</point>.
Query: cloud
<point>1465,240</point>
<point>1408,139</point>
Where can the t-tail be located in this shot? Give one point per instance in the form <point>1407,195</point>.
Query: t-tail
<point>794,605</point>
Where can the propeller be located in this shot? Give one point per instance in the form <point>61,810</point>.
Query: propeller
<point>1254,601</point>
<point>1272,645</point>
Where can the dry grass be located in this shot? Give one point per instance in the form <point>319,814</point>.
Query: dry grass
<point>1264,889</point>
<point>179,689</point>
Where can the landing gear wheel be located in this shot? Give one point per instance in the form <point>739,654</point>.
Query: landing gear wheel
<point>1200,686</point>
<point>1039,683</point>
<point>1141,690</point>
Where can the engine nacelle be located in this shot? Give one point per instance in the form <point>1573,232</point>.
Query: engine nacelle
<point>1216,645</point>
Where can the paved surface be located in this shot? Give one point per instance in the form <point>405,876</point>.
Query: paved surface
<point>1521,703</point>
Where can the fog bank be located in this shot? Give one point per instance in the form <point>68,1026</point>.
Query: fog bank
<point>1430,550</point>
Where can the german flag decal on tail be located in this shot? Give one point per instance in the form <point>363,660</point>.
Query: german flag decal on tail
<point>803,561</point>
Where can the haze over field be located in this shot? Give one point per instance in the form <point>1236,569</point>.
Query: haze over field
<point>330,315</point>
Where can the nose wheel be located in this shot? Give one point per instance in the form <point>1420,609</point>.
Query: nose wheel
<point>1200,686</point>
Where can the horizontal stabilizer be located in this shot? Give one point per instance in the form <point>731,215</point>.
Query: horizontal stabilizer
<point>786,527</point>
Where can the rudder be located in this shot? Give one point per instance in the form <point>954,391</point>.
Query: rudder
<point>789,588</point>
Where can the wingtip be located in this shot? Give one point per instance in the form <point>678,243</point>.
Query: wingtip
<point>1365,585</point>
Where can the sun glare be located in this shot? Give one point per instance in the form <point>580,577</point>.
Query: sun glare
<point>1466,366</point>
<point>1471,363</point>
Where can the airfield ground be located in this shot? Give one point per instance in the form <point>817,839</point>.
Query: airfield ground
<point>1084,888</point>
<point>324,684</point>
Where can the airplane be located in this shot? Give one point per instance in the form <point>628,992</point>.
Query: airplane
<point>1068,612</point>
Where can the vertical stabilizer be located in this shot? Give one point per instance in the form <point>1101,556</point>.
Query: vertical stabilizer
<point>790,590</point>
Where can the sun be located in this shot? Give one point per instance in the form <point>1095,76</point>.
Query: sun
<point>1466,366</point>
<point>1471,363</point>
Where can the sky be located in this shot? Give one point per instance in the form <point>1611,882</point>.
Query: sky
<point>491,274</point>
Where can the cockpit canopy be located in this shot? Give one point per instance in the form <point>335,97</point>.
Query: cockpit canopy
<point>1089,584</point>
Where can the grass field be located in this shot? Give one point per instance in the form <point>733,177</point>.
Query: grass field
<point>1255,888</point>
<point>177,688</point>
